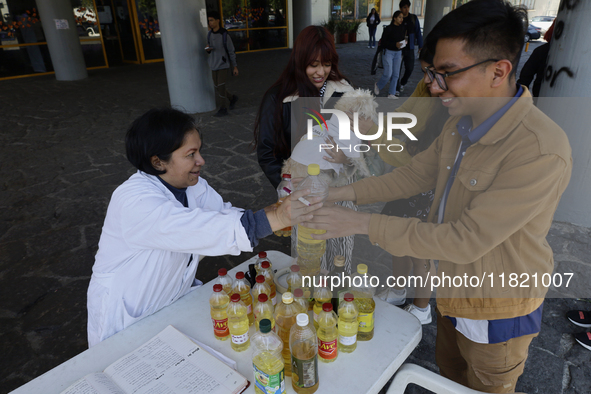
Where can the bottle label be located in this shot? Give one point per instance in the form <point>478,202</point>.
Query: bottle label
<point>366,321</point>
<point>327,350</point>
<point>304,373</point>
<point>348,341</point>
<point>240,339</point>
<point>269,384</point>
<point>220,327</point>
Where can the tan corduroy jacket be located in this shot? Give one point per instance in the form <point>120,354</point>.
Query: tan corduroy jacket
<point>498,213</point>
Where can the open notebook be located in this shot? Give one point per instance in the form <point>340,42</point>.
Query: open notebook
<point>169,363</point>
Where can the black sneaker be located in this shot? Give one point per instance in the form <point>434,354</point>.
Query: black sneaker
<point>233,101</point>
<point>221,112</point>
<point>584,339</point>
<point>580,318</point>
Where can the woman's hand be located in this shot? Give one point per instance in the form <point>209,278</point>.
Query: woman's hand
<point>336,155</point>
<point>292,211</point>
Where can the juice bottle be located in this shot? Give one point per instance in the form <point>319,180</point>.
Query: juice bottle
<point>260,287</point>
<point>242,287</point>
<point>225,280</point>
<point>264,310</point>
<point>310,251</point>
<point>294,278</point>
<point>262,256</point>
<point>219,317</point>
<point>238,323</point>
<point>281,195</point>
<point>365,304</point>
<point>298,295</point>
<point>321,295</point>
<point>339,288</point>
<point>285,317</point>
<point>267,362</point>
<point>347,324</point>
<point>267,272</point>
<point>303,345</point>
<point>327,334</point>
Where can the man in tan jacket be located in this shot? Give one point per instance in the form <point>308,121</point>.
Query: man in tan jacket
<point>499,168</point>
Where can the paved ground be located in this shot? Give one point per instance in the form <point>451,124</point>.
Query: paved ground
<point>62,153</point>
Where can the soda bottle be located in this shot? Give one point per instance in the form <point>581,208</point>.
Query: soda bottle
<point>281,195</point>
<point>298,295</point>
<point>264,310</point>
<point>242,287</point>
<point>225,280</point>
<point>285,317</point>
<point>348,324</point>
<point>219,317</point>
<point>260,287</point>
<point>321,295</point>
<point>294,278</point>
<point>238,323</point>
<point>262,256</point>
<point>310,251</point>
<point>339,288</point>
<point>303,345</point>
<point>365,304</point>
<point>267,272</point>
<point>327,334</point>
<point>267,362</point>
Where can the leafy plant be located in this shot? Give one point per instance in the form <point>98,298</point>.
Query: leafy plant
<point>354,25</point>
<point>343,27</point>
<point>330,25</point>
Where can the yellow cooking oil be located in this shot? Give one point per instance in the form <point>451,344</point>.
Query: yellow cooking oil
<point>238,324</point>
<point>348,324</point>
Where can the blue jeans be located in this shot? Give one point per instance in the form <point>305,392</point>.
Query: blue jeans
<point>391,60</point>
<point>372,36</point>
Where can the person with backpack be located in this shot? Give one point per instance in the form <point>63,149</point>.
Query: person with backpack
<point>221,54</point>
<point>413,27</point>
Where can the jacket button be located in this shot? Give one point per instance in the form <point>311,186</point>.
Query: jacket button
<point>473,182</point>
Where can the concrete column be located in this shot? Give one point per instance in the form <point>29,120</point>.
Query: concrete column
<point>183,25</point>
<point>568,88</point>
<point>434,11</point>
<point>62,41</point>
<point>302,16</point>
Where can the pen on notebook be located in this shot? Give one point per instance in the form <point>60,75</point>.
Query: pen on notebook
<point>301,199</point>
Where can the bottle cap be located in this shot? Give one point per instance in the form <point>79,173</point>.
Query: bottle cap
<point>239,275</point>
<point>260,279</point>
<point>302,319</point>
<point>265,326</point>
<point>222,272</point>
<point>295,268</point>
<point>288,176</point>
<point>339,261</point>
<point>349,297</point>
<point>235,297</point>
<point>298,293</point>
<point>265,264</point>
<point>313,169</point>
<point>262,255</point>
<point>327,307</point>
<point>263,297</point>
<point>362,269</point>
<point>217,288</point>
<point>287,297</point>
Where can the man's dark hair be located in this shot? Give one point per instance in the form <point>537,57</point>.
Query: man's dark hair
<point>403,3</point>
<point>214,15</point>
<point>490,29</point>
<point>158,132</point>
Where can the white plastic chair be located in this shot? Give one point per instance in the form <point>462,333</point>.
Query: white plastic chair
<point>411,373</point>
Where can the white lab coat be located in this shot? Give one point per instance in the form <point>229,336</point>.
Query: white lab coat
<point>142,264</point>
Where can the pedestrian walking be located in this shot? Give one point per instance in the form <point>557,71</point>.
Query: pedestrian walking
<point>393,40</point>
<point>373,20</point>
<point>413,27</point>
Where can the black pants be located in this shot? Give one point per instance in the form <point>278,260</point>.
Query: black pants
<point>408,61</point>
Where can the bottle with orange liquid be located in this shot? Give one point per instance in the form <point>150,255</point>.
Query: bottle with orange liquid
<point>219,317</point>
<point>242,287</point>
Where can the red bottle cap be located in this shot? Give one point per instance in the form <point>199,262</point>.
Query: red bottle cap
<point>262,255</point>
<point>239,275</point>
<point>327,307</point>
<point>222,272</point>
<point>295,268</point>
<point>217,287</point>
<point>235,297</point>
<point>263,297</point>
<point>260,279</point>
<point>349,297</point>
<point>288,176</point>
<point>265,264</point>
<point>298,293</point>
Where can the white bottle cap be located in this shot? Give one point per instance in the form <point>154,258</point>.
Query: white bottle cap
<point>302,319</point>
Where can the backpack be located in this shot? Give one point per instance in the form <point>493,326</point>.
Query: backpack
<point>224,38</point>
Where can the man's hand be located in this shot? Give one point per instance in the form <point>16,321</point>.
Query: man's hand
<point>235,72</point>
<point>338,222</point>
<point>292,211</point>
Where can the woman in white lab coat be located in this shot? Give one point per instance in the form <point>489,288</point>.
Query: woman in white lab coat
<point>161,220</point>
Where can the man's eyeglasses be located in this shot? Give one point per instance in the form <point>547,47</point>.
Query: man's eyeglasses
<point>432,75</point>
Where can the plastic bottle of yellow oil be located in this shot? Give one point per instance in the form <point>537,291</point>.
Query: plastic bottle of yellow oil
<point>238,324</point>
<point>264,310</point>
<point>327,334</point>
<point>321,296</point>
<point>267,362</point>
<point>267,272</point>
<point>260,287</point>
<point>303,345</point>
<point>294,278</point>
<point>225,280</point>
<point>242,287</point>
<point>347,324</point>
<point>285,317</point>
<point>262,256</point>
<point>298,298</point>
<point>219,316</point>
<point>365,304</point>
